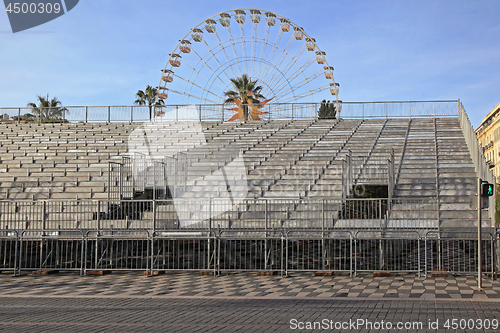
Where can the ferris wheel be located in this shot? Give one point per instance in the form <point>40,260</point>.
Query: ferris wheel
<point>269,48</point>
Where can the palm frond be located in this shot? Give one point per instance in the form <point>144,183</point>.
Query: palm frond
<point>246,92</point>
<point>48,110</point>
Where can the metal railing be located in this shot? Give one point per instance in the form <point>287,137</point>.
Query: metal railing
<point>165,177</point>
<point>217,251</point>
<point>222,112</point>
<point>212,213</point>
<point>180,250</point>
<point>9,250</point>
<point>285,235</point>
<point>52,250</point>
<point>457,252</point>
<point>117,250</point>
<point>478,159</point>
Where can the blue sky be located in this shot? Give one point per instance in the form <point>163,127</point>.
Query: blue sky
<point>102,52</point>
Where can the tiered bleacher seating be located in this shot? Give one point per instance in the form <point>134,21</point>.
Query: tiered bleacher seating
<point>299,159</point>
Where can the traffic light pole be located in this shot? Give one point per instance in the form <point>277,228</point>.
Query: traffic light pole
<point>479,249</point>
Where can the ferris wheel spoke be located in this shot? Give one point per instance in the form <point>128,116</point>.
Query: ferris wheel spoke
<point>281,59</point>
<point>300,70</point>
<point>264,47</point>
<point>278,74</point>
<point>224,51</point>
<point>192,83</point>
<point>243,45</point>
<point>285,91</point>
<point>292,79</point>
<point>210,50</point>
<point>293,61</point>
<point>308,93</point>
<point>199,73</point>
<point>273,50</point>
<point>254,48</point>
<point>235,52</point>
<point>192,95</point>
<point>208,66</point>
<point>206,79</point>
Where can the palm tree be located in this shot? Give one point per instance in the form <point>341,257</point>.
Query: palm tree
<point>48,110</point>
<point>149,97</point>
<point>245,92</point>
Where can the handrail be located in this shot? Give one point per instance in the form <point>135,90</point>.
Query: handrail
<point>437,174</point>
<point>477,156</point>
<point>365,161</point>
<point>221,112</point>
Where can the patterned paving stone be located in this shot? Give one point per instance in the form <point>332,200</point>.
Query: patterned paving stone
<point>302,285</point>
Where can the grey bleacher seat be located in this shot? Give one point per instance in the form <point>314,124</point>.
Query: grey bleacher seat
<point>299,159</point>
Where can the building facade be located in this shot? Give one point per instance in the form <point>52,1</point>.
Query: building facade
<point>488,135</point>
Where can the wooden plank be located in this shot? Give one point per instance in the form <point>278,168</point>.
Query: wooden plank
<point>99,273</point>
<point>439,274</point>
<point>44,272</point>
<point>489,275</point>
<point>155,273</point>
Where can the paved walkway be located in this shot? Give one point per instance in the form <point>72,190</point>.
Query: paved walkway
<point>244,302</point>
<point>248,285</point>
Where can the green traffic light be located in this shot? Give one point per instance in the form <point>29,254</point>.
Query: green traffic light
<point>487,189</point>
<point>490,189</point>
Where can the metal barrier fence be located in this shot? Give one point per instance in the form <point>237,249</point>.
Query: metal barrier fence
<point>258,250</point>
<point>277,250</point>
<point>387,250</point>
<point>173,251</point>
<point>222,112</point>
<point>9,250</point>
<point>319,251</point>
<point>208,214</point>
<point>117,250</point>
<point>52,250</point>
<point>458,252</point>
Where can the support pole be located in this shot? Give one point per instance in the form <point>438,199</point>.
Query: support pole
<point>209,253</point>
<point>44,216</point>
<point>98,216</point>
<point>323,249</point>
<point>265,241</point>
<point>350,173</point>
<point>154,216</point>
<point>344,178</point>
<point>479,248</point>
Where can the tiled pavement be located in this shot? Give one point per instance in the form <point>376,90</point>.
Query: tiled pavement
<point>248,285</point>
<point>244,302</point>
